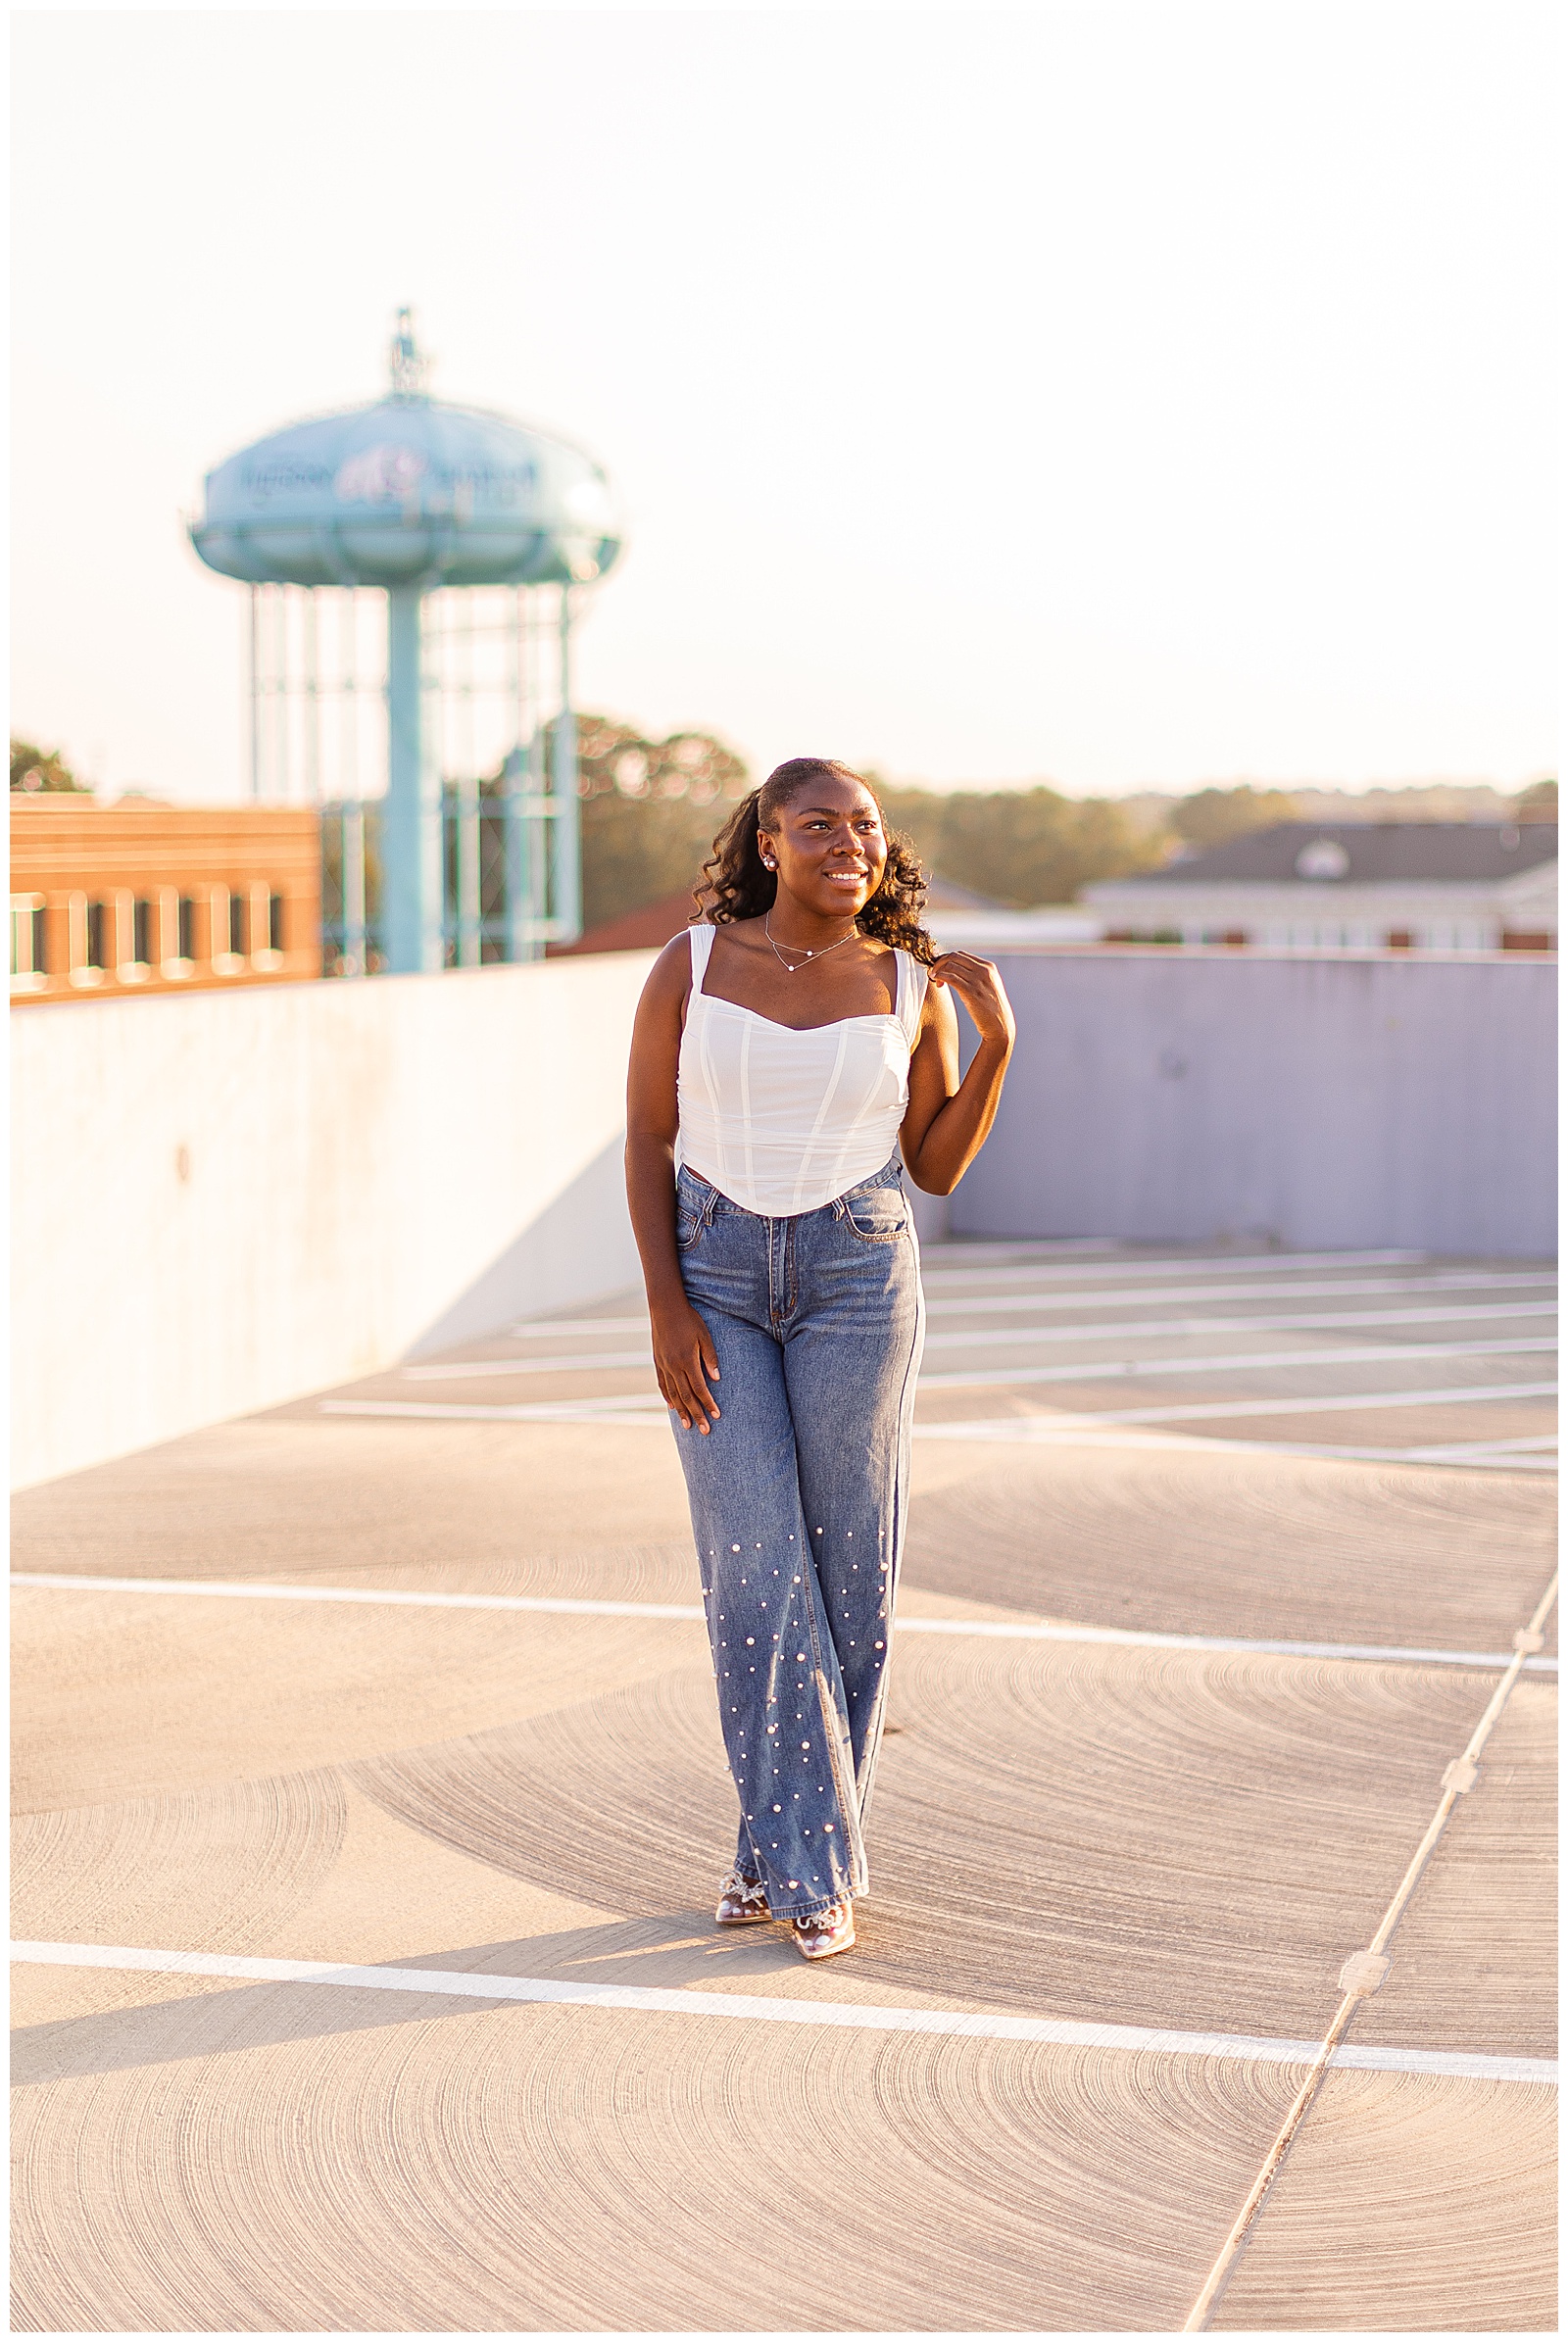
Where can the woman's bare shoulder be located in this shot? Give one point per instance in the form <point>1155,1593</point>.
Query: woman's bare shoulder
<point>670,976</point>
<point>937,1013</point>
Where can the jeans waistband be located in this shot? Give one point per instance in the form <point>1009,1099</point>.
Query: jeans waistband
<point>713,1202</point>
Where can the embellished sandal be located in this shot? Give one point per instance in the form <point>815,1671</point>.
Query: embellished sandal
<point>742,1902</point>
<point>819,1934</point>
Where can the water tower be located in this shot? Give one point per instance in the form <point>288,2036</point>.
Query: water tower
<point>482,535</point>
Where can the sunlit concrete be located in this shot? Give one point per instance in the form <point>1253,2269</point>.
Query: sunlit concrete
<point>1187,1842</point>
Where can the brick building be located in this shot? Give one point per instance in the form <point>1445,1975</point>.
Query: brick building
<point>107,900</point>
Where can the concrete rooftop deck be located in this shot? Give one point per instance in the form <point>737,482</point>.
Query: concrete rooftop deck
<point>1132,1849</point>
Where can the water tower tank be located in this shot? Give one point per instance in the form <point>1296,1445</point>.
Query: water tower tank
<point>418,498</point>
<point>408,491</point>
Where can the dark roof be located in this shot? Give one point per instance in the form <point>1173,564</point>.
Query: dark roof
<point>1419,851</point>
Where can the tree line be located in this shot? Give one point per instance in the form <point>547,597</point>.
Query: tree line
<point>650,809</point>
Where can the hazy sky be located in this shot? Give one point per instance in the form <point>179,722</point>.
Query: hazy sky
<point>1126,398</point>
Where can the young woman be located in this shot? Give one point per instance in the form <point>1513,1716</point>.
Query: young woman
<point>787,1054</point>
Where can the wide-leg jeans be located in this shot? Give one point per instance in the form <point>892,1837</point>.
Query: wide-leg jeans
<point>798,1500</point>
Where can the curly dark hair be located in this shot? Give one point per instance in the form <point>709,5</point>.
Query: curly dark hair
<point>735,884</point>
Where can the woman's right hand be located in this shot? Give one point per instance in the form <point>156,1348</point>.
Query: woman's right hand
<point>685,1362</point>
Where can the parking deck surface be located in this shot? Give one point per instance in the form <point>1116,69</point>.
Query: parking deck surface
<point>1215,1560</point>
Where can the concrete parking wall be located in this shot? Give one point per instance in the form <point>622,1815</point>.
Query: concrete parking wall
<point>223,1202</point>
<point>1336,1100</point>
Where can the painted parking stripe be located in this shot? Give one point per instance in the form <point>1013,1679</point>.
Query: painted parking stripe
<point>462,1370</point>
<point>1006,1630</point>
<point>1086,1431</point>
<point>1139,1297</point>
<point>1171,1329</point>
<point>1468,1447</point>
<point>397,1597</point>
<point>1129,1638</point>
<point>632,1406</point>
<point>1372,1353</point>
<point>459,1370</point>
<point>752,2009</point>
<point>1009,1262</point>
<point>649,1406</point>
<point>1440,1280</point>
<point>1475,1395</point>
<point>649,1412</point>
<point>1079,1431</point>
<point>579,1324</point>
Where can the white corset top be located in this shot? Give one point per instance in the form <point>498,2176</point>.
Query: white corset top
<point>782,1121</point>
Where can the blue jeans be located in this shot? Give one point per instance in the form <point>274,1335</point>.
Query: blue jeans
<point>798,1499</point>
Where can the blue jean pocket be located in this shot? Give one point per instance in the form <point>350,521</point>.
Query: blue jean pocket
<point>876,1214</point>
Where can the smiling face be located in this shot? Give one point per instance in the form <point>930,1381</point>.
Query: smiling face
<point>830,848</point>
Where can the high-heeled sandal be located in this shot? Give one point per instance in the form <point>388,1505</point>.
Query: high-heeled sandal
<point>742,1902</point>
<point>819,1934</point>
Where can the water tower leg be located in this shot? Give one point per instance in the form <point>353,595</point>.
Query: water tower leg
<point>411,824</point>
<point>566,826</point>
<point>519,788</point>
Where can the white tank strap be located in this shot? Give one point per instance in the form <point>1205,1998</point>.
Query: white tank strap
<point>702,947</point>
<point>911,997</point>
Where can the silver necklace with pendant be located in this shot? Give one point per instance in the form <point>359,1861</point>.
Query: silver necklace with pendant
<point>823,954</point>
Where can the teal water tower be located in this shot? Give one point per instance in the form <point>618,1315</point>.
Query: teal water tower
<point>450,513</point>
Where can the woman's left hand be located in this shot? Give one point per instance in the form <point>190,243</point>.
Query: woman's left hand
<point>980,989</point>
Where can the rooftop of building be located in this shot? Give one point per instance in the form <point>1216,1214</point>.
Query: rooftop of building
<point>1377,853</point>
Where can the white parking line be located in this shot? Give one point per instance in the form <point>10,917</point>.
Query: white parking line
<point>644,1412</point>
<point>1079,1371</point>
<point>1006,1262</point>
<point>633,1407</point>
<point>1508,1455</point>
<point>462,1370</point>
<point>752,2008</point>
<point>394,1597</point>
<point>1248,1362</point>
<point>1014,1426</point>
<point>1134,1639</point>
<point>1461,1448</point>
<point>1005,1630</point>
<point>580,1325</point>
<point>580,1362</point>
<point>1365,1970</point>
<point>1079,1431</point>
<point>1139,1297</point>
<point>1170,1329</point>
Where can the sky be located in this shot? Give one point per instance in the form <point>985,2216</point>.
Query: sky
<point>1122,398</point>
